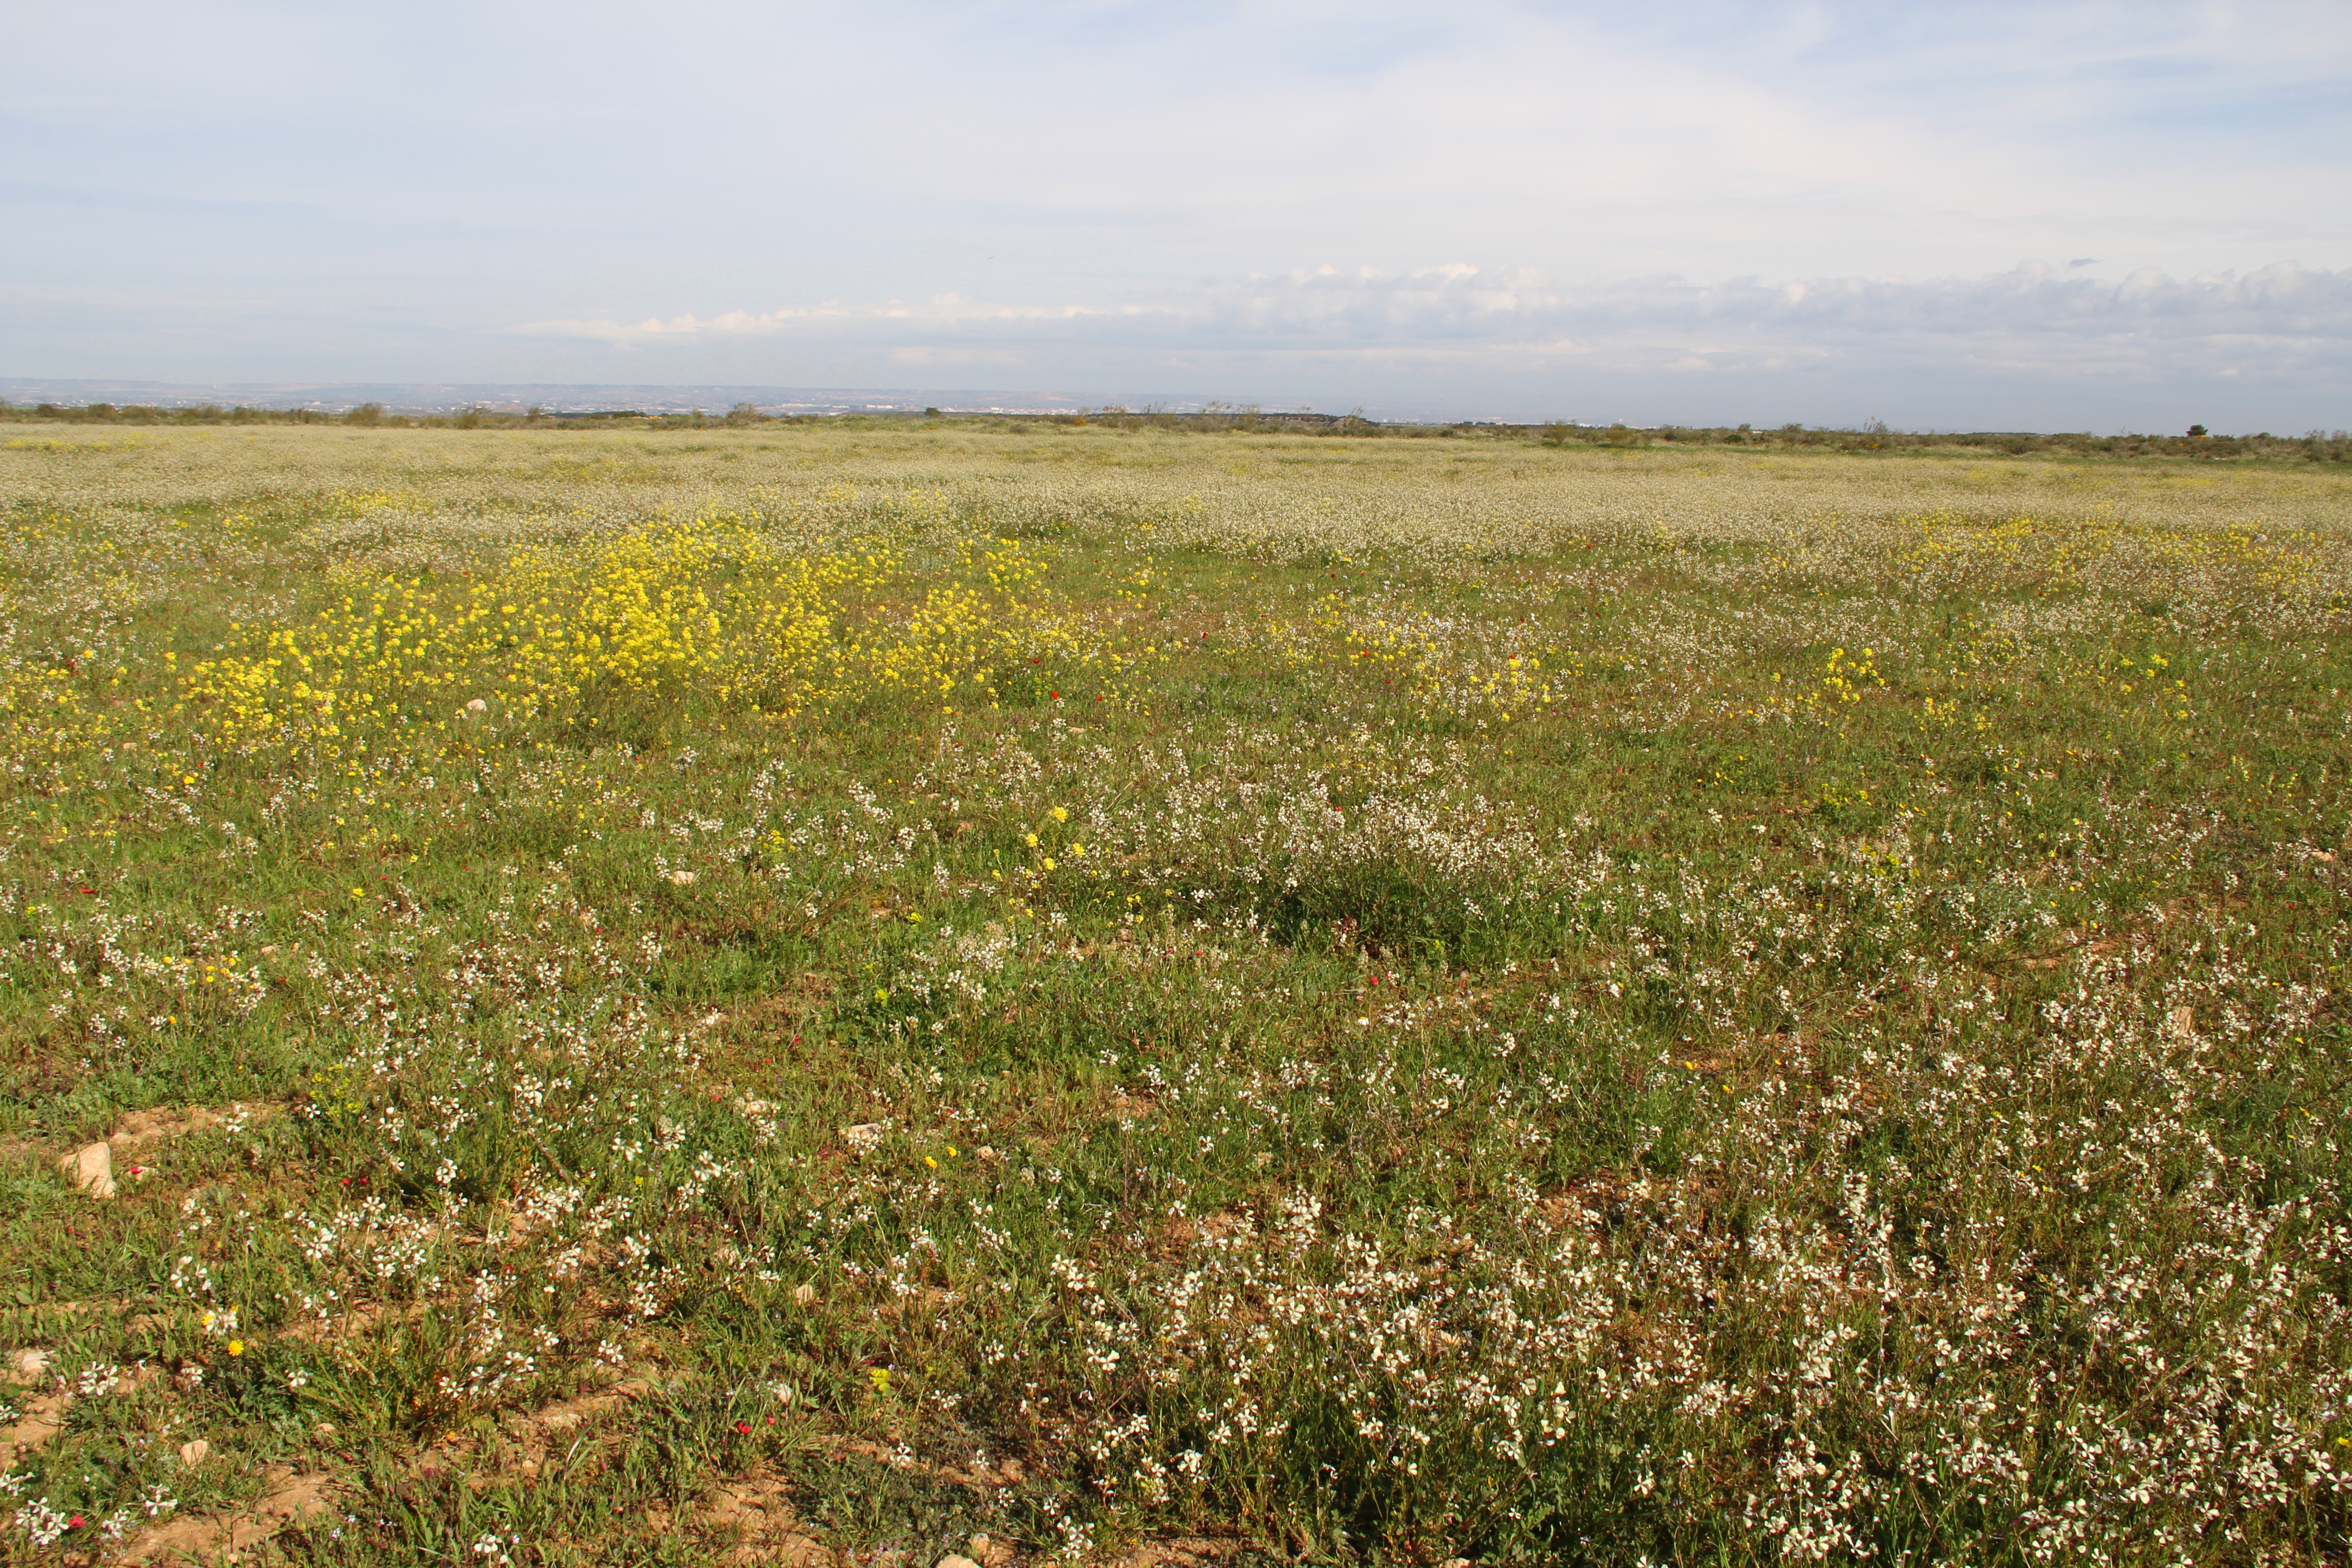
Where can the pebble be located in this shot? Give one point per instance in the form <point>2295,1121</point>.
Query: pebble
<point>91,1168</point>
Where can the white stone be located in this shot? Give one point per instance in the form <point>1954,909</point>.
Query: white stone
<point>91,1168</point>
<point>192,1454</point>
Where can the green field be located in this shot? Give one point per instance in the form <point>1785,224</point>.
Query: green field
<point>809,993</point>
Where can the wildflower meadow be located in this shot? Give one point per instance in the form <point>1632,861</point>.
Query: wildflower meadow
<point>890,992</point>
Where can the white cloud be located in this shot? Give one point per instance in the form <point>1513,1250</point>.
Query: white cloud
<point>943,310</point>
<point>2036,318</point>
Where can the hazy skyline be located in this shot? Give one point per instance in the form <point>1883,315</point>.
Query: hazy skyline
<point>2056,216</point>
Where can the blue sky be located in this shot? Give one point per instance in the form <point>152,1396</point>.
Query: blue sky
<point>2046,215</point>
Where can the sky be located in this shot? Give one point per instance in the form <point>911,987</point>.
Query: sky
<point>1983,215</point>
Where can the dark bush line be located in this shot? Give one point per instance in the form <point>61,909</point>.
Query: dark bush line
<point>2316,446</point>
<point>375,415</point>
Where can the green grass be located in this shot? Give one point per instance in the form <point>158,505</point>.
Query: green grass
<point>1712,1095</point>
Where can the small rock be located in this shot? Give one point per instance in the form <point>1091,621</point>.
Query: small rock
<point>478,706</point>
<point>28,1366</point>
<point>955,1559</point>
<point>194,1453</point>
<point>91,1168</point>
<point>804,1293</point>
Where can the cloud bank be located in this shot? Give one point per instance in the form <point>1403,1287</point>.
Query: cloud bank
<point>2284,307</point>
<point>2281,324</point>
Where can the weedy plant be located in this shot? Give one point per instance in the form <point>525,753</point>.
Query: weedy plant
<point>1070,994</point>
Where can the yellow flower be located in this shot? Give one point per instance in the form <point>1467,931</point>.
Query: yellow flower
<point>1061,814</point>
<point>236,1347</point>
<point>880,1378</point>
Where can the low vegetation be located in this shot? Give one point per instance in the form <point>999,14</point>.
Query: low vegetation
<point>1093,994</point>
<point>1220,419</point>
